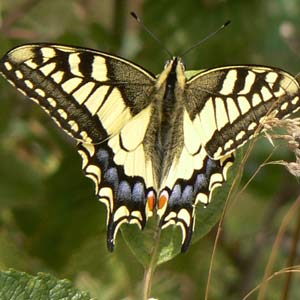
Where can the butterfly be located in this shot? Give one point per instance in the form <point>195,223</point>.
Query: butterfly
<point>151,144</point>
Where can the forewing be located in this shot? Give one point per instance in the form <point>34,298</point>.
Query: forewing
<point>104,102</point>
<point>227,105</point>
<point>89,94</point>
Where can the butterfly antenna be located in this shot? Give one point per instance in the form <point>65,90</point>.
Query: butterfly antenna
<point>206,38</point>
<point>151,33</point>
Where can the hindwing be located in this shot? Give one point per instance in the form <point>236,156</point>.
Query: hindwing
<point>191,180</point>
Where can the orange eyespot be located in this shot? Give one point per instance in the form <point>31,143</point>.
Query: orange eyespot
<point>163,199</point>
<point>151,201</point>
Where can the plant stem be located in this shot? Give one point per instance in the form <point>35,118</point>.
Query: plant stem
<point>149,270</point>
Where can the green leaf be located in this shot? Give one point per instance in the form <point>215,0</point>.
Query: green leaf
<point>15,285</point>
<point>191,73</point>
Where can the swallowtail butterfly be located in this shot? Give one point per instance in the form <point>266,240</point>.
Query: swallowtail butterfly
<point>150,143</point>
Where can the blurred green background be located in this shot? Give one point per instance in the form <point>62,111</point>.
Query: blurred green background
<point>49,218</point>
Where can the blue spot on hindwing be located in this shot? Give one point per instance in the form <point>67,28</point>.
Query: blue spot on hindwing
<point>138,193</point>
<point>211,166</point>
<point>175,195</point>
<point>187,195</point>
<point>111,177</point>
<point>124,191</point>
<point>103,158</point>
<point>201,183</point>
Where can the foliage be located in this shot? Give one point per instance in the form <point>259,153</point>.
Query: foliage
<point>20,286</point>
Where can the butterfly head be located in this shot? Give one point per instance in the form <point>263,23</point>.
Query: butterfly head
<point>173,68</point>
<point>174,63</point>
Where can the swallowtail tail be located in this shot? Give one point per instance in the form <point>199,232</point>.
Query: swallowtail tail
<point>150,143</point>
